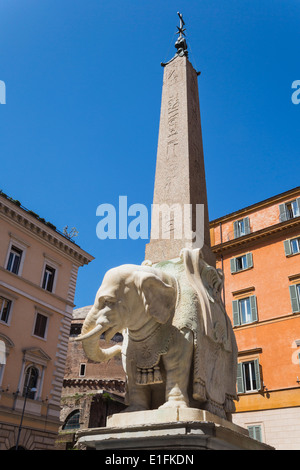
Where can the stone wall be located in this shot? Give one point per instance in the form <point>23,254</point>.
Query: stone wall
<point>280,427</point>
<point>30,439</point>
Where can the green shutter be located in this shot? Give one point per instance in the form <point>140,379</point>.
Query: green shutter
<point>287,247</point>
<point>247,225</point>
<point>257,374</point>
<point>249,259</point>
<point>251,431</point>
<point>235,313</point>
<point>294,298</point>
<point>298,204</point>
<point>253,306</point>
<point>258,433</point>
<point>233,265</point>
<point>282,213</point>
<point>239,379</point>
<point>236,229</point>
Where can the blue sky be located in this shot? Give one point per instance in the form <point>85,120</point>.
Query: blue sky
<point>83,89</point>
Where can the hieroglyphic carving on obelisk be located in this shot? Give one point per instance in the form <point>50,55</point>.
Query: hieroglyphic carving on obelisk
<point>180,182</point>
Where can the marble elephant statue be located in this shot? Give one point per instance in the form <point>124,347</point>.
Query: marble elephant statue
<point>179,349</point>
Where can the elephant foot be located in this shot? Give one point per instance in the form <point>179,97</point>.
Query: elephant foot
<point>174,404</point>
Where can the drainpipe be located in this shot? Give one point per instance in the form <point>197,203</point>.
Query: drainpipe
<point>222,262</point>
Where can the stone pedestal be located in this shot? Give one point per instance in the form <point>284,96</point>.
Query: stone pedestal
<point>175,430</point>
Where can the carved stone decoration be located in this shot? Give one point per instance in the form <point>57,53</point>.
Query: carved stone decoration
<point>179,348</point>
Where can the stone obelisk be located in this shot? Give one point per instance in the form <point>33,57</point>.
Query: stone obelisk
<point>180,183</point>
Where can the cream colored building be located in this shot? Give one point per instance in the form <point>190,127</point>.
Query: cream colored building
<point>38,273</point>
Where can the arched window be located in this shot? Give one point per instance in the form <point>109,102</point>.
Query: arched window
<point>72,421</point>
<point>31,379</point>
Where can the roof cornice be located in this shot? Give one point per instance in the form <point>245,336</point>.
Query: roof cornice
<point>20,217</point>
<point>232,245</point>
<point>258,205</point>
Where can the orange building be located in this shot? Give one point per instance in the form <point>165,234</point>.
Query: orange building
<point>38,272</point>
<point>258,248</point>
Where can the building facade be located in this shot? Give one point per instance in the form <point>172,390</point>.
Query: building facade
<point>91,391</point>
<point>258,248</point>
<point>38,273</point>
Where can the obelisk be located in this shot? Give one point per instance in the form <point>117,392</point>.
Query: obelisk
<point>180,173</point>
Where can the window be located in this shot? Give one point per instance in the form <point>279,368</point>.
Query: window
<point>248,376</point>
<point>292,247</point>
<point>30,382</point>
<point>295,245</point>
<point>82,370</point>
<point>244,310</point>
<point>295,297</point>
<point>241,227</point>
<point>72,421</point>
<point>255,432</point>
<point>48,279</point>
<point>289,210</point>
<point>75,329</point>
<point>40,326</point>
<point>14,260</point>
<point>241,262</point>
<point>5,306</point>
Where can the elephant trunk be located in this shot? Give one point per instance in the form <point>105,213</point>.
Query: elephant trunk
<point>90,342</point>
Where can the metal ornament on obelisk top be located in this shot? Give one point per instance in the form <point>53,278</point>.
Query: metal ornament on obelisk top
<point>180,182</point>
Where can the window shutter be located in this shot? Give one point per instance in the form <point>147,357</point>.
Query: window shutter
<point>282,213</point>
<point>251,432</point>
<point>235,313</point>
<point>255,432</point>
<point>253,307</point>
<point>247,225</point>
<point>236,229</point>
<point>287,247</point>
<point>233,265</point>
<point>298,205</point>
<point>257,374</point>
<point>294,299</point>
<point>249,259</point>
<point>239,379</point>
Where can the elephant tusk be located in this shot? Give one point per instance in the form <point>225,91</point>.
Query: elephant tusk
<point>91,333</point>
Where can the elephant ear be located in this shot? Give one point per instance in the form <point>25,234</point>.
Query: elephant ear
<point>159,298</point>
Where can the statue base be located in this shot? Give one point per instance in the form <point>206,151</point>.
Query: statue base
<point>178,429</point>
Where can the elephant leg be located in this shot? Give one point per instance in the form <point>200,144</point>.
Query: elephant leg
<point>177,363</point>
<point>138,396</point>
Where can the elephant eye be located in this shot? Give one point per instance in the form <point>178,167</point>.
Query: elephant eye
<point>108,303</point>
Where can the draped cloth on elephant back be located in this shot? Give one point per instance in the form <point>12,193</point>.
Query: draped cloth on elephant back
<point>200,308</point>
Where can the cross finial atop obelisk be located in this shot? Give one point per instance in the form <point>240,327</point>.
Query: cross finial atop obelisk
<point>180,44</point>
<point>180,182</point>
